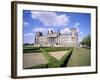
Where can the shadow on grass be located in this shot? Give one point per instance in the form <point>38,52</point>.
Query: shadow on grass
<point>64,60</point>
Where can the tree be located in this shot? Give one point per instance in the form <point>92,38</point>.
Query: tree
<point>86,41</point>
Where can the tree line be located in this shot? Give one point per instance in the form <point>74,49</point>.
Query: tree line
<point>86,41</point>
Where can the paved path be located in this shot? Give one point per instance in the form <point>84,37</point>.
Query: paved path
<point>32,59</point>
<point>80,57</point>
<point>58,54</point>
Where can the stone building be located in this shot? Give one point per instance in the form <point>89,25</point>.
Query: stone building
<point>57,39</point>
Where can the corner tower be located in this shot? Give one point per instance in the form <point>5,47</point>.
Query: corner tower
<point>37,35</point>
<point>74,37</point>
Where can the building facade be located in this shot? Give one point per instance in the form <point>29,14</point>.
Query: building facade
<point>57,39</point>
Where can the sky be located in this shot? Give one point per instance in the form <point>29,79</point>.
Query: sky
<point>43,21</point>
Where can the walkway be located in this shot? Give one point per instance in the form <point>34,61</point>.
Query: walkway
<point>80,57</point>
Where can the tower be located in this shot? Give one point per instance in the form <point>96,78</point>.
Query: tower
<point>38,34</point>
<point>59,32</point>
<point>74,37</point>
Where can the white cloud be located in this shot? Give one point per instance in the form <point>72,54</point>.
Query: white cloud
<point>29,38</point>
<point>28,34</point>
<point>81,32</point>
<point>65,31</point>
<point>39,29</point>
<point>76,25</point>
<point>49,29</point>
<point>50,19</point>
<point>26,24</point>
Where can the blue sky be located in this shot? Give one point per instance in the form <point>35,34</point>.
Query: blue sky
<point>43,21</point>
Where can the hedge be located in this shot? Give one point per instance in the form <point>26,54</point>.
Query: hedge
<point>31,50</point>
<point>50,49</point>
<point>64,60</point>
<point>52,62</point>
<point>38,66</point>
<point>47,49</point>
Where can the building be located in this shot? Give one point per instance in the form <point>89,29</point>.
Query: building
<point>57,39</point>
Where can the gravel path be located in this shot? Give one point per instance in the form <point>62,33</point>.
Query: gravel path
<point>58,54</point>
<point>32,59</point>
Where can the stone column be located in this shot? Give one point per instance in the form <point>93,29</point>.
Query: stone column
<point>53,40</point>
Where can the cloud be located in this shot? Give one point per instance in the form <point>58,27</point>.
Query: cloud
<point>50,19</point>
<point>81,32</point>
<point>26,24</point>
<point>76,25</point>
<point>49,29</point>
<point>28,38</point>
<point>65,31</point>
<point>28,34</point>
<point>39,29</point>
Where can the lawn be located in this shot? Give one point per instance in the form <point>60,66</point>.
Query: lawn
<point>33,59</point>
<point>32,49</point>
<point>51,55</point>
<point>80,57</point>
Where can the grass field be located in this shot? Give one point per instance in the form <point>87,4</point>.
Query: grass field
<point>80,57</point>
<point>52,57</point>
<point>33,59</point>
<point>31,49</point>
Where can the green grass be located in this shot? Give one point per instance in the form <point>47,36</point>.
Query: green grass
<point>28,46</point>
<point>80,57</point>
<point>31,50</point>
<point>74,57</point>
<point>38,66</point>
<point>64,60</point>
<point>48,49</point>
<point>52,49</point>
<point>52,62</point>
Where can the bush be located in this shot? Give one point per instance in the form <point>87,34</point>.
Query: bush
<point>52,62</point>
<point>31,50</point>
<point>64,60</point>
<point>38,66</point>
<point>50,49</point>
<point>47,49</point>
